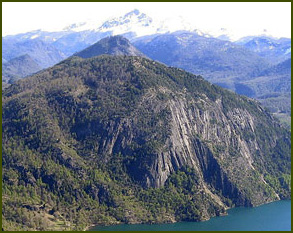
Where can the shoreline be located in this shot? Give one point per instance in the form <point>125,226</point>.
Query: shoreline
<point>221,215</point>
<point>88,227</point>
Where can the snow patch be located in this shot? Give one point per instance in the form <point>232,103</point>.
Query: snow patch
<point>34,36</point>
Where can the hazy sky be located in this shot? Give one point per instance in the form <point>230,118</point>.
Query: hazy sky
<point>241,17</point>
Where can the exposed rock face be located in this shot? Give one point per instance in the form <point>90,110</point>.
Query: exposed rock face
<point>123,129</point>
<point>206,138</point>
<point>195,137</point>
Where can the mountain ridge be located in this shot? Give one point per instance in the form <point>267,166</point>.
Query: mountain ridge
<point>44,54</point>
<point>124,139</point>
<point>17,68</point>
<point>273,49</point>
<point>213,58</point>
<point>113,45</point>
<point>134,24</point>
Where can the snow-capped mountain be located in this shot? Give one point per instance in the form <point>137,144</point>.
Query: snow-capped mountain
<point>132,25</point>
<point>134,21</point>
<point>218,54</point>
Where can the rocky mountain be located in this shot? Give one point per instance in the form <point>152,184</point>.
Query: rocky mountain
<point>124,139</point>
<point>17,68</point>
<point>274,50</point>
<point>113,45</point>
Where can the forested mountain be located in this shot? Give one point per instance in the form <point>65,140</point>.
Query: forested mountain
<point>108,136</point>
<point>273,89</point>
<point>123,139</point>
<point>113,45</point>
<point>283,68</point>
<point>233,65</point>
<point>17,68</point>
<point>276,79</point>
<point>248,70</point>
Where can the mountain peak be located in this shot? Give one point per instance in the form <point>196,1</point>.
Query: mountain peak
<point>134,12</point>
<point>113,45</point>
<point>93,128</point>
<point>126,23</point>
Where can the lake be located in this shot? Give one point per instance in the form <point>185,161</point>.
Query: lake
<point>275,216</point>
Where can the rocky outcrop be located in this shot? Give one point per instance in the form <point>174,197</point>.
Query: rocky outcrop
<point>135,141</point>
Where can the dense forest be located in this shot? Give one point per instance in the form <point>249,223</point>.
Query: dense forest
<point>120,139</point>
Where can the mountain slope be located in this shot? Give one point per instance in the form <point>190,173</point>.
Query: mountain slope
<point>113,45</point>
<point>18,67</point>
<point>115,139</point>
<point>274,50</point>
<point>219,61</point>
<point>230,65</point>
<point>272,87</point>
<point>44,54</point>
<point>282,68</point>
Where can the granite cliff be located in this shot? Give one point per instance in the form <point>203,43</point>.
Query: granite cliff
<point>113,139</point>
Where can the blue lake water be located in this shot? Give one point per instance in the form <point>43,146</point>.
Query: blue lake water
<point>275,216</point>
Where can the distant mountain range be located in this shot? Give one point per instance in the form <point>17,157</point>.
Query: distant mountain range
<point>132,25</point>
<point>45,54</point>
<point>215,59</point>
<point>18,68</point>
<point>274,50</point>
<point>245,66</point>
<point>115,138</point>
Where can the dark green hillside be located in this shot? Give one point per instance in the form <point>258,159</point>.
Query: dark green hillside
<point>113,45</point>
<point>120,139</point>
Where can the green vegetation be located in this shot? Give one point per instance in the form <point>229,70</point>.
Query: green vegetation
<point>81,142</point>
